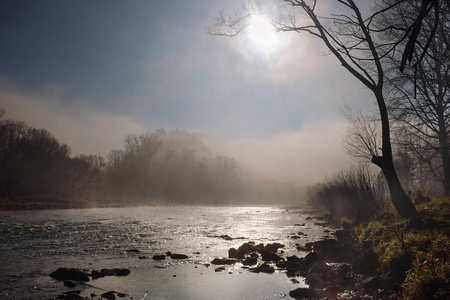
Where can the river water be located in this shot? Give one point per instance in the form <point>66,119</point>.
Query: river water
<point>35,243</point>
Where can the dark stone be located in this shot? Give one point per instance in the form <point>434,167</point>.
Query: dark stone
<point>372,283</point>
<point>315,281</point>
<point>247,247</point>
<point>72,295</point>
<point>70,274</point>
<point>344,236</point>
<point>269,256</point>
<point>223,261</point>
<point>333,251</point>
<point>299,266</point>
<point>133,251</point>
<point>306,293</point>
<point>122,272</point>
<point>159,257</point>
<point>343,269</point>
<point>115,272</point>
<point>310,259</point>
<point>234,253</point>
<point>109,295</point>
<point>250,261</point>
<point>226,237</point>
<point>96,274</point>
<point>366,263</point>
<point>143,257</point>
<point>219,269</point>
<point>320,267</point>
<point>263,268</point>
<point>71,283</point>
<point>178,256</point>
<point>293,258</point>
<point>273,247</point>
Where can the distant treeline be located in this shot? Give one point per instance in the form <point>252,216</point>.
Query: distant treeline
<point>174,167</point>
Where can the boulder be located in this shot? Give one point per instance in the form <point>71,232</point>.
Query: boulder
<point>71,295</point>
<point>109,295</point>
<point>70,274</point>
<point>269,256</point>
<point>307,293</point>
<point>178,256</point>
<point>159,256</point>
<point>366,263</point>
<point>234,253</point>
<point>263,268</point>
<point>344,236</point>
<point>250,261</point>
<point>72,283</point>
<point>223,261</point>
<point>320,267</point>
<point>371,283</point>
<point>96,274</point>
<point>115,272</point>
<point>273,247</point>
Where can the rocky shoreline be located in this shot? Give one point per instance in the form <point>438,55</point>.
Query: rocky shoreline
<point>334,268</point>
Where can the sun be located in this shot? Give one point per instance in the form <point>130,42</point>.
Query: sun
<point>261,31</point>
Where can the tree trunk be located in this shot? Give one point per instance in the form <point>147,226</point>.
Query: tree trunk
<point>399,198</point>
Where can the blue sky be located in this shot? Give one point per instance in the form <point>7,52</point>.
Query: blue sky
<point>91,72</point>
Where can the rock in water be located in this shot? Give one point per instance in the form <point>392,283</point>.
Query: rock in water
<point>269,256</point>
<point>306,293</point>
<point>178,256</point>
<point>70,274</point>
<point>115,272</point>
<point>159,256</point>
<point>223,261</point>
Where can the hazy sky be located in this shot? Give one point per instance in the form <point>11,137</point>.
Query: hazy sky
<point>91,72</point>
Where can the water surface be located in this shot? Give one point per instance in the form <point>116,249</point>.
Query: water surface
<point>35,243</point>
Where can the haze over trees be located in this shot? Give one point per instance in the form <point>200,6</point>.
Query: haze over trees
<point>175,167</point>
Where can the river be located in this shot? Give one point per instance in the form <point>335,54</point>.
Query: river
<point>35,243</point>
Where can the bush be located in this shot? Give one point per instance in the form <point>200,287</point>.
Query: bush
<point>356,193</point>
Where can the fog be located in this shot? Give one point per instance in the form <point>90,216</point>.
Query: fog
<point>303,156</point>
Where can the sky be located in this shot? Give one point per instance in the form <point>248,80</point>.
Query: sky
<point>91,72</point>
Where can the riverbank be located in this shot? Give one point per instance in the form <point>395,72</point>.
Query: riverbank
<point>384,258</point>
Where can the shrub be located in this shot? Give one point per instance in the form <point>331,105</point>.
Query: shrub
<point>355,193</point>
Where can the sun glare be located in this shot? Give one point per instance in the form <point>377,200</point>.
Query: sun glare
<point>261,31</point>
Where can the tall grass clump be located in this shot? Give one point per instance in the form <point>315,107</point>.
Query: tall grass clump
<point>356,193</point>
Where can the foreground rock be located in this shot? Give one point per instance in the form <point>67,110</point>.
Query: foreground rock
<point>115,272</point>
<point>307,293</point>
<point>70,274</point>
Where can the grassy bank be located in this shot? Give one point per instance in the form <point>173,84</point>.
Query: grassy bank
<point>414,253</point>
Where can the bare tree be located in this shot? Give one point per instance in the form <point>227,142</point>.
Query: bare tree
<point>363,135</point>
<point>349,37</point>
<point>420,96</point>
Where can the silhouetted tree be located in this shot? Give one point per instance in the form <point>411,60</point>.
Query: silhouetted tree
<point>350,39</point>
<point>85,173</point>
<point>420,96</point>
<point>32,161</point>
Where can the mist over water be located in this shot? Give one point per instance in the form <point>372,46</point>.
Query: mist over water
<point>35,243</point>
